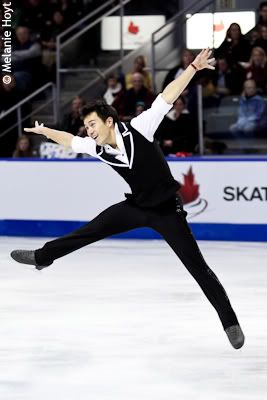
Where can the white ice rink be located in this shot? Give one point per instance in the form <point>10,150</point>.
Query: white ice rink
<point>123,320</point>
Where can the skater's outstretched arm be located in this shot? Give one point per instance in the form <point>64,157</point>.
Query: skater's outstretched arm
<point>148,121</point>
<point>176,87</point>
<point>78,144</point>
<point>59,137</point>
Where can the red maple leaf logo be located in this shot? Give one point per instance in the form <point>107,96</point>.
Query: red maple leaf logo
<point>218,27</point>
<point>189,190</point>
<point>132,28</point>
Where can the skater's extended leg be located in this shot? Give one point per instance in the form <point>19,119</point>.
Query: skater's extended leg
<point>118,218</point>
<point>175,230</point>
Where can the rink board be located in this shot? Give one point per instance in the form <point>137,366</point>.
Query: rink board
<point>226,198</point>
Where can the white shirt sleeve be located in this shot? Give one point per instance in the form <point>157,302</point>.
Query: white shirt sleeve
<point>148,122</point>
<point>84,145</point>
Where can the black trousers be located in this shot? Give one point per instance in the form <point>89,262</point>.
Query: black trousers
<point>170,222</point>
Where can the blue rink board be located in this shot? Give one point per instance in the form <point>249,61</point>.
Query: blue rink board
<point>231,232</point>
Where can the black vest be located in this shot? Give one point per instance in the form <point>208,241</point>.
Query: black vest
<point>148,174</point>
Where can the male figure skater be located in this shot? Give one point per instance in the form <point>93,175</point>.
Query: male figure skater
<point>132,152</point>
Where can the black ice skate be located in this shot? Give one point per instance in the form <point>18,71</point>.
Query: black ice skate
<point>27,257</point>
<point>235,336</point>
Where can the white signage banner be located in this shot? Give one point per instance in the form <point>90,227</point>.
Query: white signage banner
<point>136,31</point>
<point>224,191</point>
<point>209,30</point>
<point>213,191</point>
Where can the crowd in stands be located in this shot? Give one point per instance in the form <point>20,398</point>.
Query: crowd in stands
<point>241,70</point>
<point>35,26</point>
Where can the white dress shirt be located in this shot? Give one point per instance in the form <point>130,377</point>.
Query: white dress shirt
<point>145,123</point>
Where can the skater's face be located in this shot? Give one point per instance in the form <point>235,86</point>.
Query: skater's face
<point>97,129</point>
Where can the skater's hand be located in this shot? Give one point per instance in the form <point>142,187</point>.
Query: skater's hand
<point>203,60</point>
<point>37,129</point>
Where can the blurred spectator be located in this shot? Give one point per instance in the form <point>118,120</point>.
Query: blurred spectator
<point>23,148</point>
<point>139,66</point>
<point>262,41</point>
<point>9,95</point>
<point>26,58</point>
<point>139,108</point>
<point>257,69</point>
<point>17,14</point>
<point>234,48</point>
<point>227,81</point>
<point>210,99</point>
<point>178,130</point>
<point>125,102</point>
<point>49,35</point>
<point>72,10</point>
<point>72,122</point>
<point>251,117</point>
<point>57,26</point>
<point>262,14</point>
<point>114,87</point>
<point>187,57</point>
<point>253,36</point>
<point>34,15</point>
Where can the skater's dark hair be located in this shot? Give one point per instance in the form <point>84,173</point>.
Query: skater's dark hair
<point>102,109</point>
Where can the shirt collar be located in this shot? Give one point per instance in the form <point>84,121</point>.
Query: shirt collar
<point>119,141</point>
<point>124,140</point>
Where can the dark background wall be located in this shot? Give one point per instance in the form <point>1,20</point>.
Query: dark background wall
<point>239,4</point>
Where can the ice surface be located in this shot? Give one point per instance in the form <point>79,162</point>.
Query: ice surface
<point>123,320</point>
